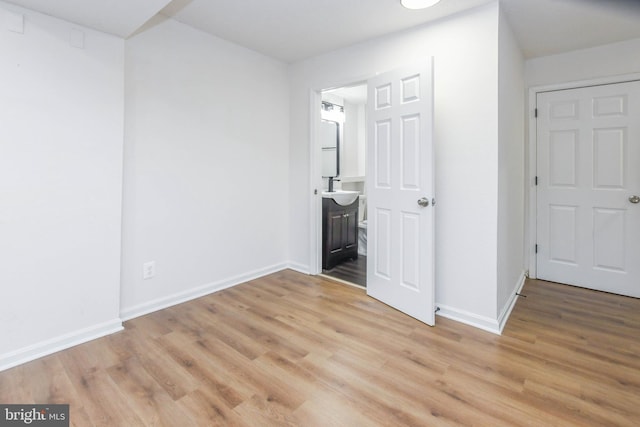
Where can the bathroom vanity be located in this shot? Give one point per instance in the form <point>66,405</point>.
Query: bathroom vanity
<point>339,230</point>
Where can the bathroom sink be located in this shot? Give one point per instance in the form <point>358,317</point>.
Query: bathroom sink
<point>341,197</point>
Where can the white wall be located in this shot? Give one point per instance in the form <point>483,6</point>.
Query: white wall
<point>465,47</point>
<point>353,164</point>
<point>362,140</point>
<point>61,127</point>
<point>354,150</point>
<point>511,99</point>
<point>206,165</point>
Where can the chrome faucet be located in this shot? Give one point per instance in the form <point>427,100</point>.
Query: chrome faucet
<point>331,180</point>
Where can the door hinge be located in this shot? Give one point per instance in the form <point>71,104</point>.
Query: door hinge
<point>536,180</point>
<point>535,113</point>
<point>536,248</point>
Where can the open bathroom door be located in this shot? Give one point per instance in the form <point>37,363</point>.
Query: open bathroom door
<point>400,190</point>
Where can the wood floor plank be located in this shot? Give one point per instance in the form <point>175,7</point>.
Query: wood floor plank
<point>373,398</point>
<point>208,371</point>
<point>209,409</point>
<point>265,382</point>
<point>295,350</point>
<point>158,363</point>
<point>13,386</point>
<point>482,394</point>
<point>351,270</point>
<point>260,411</point>
<point>147,398</point>
<point>48,381</point>
<point>106,404</point>
<point>243,344</point>
<point>342,412</point>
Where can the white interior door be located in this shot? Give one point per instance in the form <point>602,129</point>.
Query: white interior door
<point>588,221</point>
<point>400,190</point>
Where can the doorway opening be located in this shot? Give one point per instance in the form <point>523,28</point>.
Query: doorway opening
<point>398,189</point>
<point>342,140</point>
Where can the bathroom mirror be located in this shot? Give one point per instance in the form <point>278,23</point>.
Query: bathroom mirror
<point>330,140</point>
<point>347,107</point>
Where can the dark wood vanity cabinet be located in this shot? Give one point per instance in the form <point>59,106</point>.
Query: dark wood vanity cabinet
<point>339,232</point>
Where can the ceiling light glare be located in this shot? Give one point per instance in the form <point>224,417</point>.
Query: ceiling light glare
<point>418,4</point>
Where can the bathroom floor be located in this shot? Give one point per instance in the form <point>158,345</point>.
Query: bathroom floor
<point>354,271</point>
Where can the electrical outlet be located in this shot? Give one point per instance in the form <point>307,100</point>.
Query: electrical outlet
<point>148,270</point>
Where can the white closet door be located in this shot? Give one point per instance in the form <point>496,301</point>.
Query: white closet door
<point>588,174</point>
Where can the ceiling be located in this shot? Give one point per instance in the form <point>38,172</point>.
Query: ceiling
<point>291,30</point>
<point>118,17</point>
<point>546,27</point>
<point>352,94</point>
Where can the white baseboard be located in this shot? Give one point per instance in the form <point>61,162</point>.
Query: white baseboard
<point>62,342</point>
<point>300,268</point>
<point>488,324</point>
<point>200,291</point>
<point>508,307</point>
<point>482,322</point>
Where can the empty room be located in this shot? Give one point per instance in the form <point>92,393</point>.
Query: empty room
<point>320,213</point>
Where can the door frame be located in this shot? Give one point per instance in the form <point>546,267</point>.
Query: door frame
<point>531,166</point>
<point>315,169</point>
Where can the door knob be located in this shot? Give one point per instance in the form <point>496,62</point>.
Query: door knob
<point>634,199</point>
<point>424,202</point>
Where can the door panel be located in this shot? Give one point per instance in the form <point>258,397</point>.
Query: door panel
<point>400,267</point>
<point>336,231</point>
<point>562,234</point>
<point>563,155</point>
<point>609,239</point>
<point>608,158</point>
<point>588,168</point>
<point>381,225</point>
<point>410,164</point>
<point>350,225</point>
<point>382,150</point>
<point>410,253</point>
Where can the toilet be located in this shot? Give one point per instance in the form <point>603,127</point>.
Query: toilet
<point>362,225</point>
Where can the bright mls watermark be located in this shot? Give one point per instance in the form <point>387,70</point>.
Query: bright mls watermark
<point>34,415</point>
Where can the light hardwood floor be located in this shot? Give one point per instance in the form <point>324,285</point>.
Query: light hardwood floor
<point>290,349</point>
